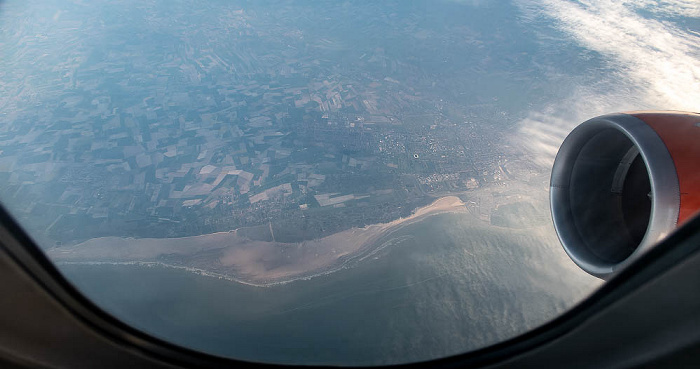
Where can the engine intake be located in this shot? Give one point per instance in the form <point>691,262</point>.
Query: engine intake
<point>620,184</point>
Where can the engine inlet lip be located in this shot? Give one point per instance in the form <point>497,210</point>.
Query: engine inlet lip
<point>665,192</point>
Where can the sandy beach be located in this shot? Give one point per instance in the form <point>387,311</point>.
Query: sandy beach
<point>238,258</point>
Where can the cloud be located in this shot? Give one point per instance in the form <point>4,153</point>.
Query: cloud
<point>656,65</point>
<point>541,133</point>
<point>657,55</point>
<point>684,8</point>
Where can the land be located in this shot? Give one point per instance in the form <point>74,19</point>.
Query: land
<point>298,129</point>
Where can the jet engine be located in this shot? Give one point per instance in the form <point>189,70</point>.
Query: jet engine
<point>621,183</point>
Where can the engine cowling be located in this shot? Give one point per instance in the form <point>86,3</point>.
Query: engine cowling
<point>622,182</point>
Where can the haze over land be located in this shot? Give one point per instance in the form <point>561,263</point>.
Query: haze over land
<point>163,119</point>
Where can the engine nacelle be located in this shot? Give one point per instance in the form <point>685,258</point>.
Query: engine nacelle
<point>622,182</point>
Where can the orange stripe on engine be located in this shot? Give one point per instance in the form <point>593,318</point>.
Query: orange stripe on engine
<point>680,132</point>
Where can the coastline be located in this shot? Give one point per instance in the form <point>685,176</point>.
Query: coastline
<point>226,255</point>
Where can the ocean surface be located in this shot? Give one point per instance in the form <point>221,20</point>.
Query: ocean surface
<point>442,286</point>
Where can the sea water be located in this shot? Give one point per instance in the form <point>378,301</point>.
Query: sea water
<point>435,288</point>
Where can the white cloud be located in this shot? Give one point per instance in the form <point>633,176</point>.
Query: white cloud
<point>542,132</point>
<point>656,55</point>
<point>656,64</point>
<point>685,8</point>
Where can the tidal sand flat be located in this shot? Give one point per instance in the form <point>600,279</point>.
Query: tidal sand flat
<point>239,258</point>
